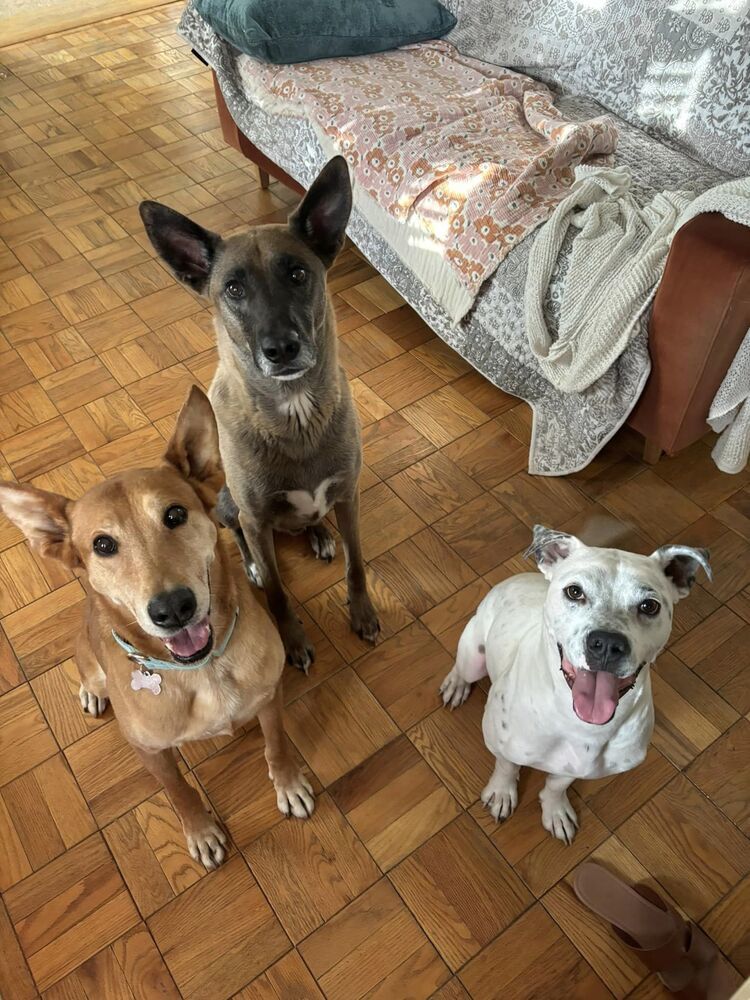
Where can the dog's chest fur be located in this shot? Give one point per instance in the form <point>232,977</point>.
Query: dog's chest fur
<point>305,507</point>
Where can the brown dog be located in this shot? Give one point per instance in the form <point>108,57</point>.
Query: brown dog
<point>182,648</point>
<point>289,432</point>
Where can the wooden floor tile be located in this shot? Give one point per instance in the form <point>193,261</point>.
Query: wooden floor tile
<point>391,444</point>
<point>722,772</point>
<point>434,487</point>
<point>452,744</point>
<point>337,725</point>
<point>402,380</point>
<point>374,948</point>
<point>488,454</point>
<point>483,533</point>
<point>652,506</point>
<point>45,632</point>
<point>25,739</point>
<point>129,967</point>
<point>70,909</point>
<point>44,814</point>
<point>405,672</point>
<point>310,869</point>
<point>531,959</point>
<point>394,801</point>
<point>15,978</point>
<point>689,845</point>
<point>443,415</point>
<point>214,957</point>
<point>289,978</point>
<point>727,925</point>
<point>463,913</point>
<point>112,790</point>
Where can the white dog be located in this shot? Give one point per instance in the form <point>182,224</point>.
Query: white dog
<point>568,658</point>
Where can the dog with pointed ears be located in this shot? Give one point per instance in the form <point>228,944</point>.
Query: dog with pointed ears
<point>177,643</point>
<point>568,656</point>
<point>290,437</point>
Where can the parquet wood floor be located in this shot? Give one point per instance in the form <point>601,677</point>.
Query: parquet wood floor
<point>399,886</point>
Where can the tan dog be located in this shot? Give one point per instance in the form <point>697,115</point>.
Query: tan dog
<point>182,649</point>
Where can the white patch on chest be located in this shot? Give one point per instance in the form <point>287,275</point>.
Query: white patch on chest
<point>299,407</point>
<point>311,506</point>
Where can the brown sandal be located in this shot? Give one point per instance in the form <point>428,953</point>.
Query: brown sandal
<point>686,961</point>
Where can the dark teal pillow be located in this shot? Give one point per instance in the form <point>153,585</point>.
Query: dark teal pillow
<point>289,31</point>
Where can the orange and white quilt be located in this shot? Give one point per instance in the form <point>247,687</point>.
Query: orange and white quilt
<point>455,160</point>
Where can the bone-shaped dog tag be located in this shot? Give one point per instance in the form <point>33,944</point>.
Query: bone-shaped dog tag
<point>145,680</point>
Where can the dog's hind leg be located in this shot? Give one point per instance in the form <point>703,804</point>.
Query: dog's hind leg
<point>93,690</point>
<point>470,666</point>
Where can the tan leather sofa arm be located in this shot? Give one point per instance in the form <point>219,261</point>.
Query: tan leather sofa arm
<point>700,316</point>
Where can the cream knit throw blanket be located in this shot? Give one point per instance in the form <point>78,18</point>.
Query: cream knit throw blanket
<point>617,259</point>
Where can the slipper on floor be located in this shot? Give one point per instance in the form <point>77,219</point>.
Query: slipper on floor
<point>686,961</point>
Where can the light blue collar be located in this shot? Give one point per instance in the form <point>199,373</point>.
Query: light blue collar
<point>151,663</point>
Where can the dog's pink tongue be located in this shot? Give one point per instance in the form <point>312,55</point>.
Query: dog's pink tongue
<point>595,696</point>
<point>189,640</point>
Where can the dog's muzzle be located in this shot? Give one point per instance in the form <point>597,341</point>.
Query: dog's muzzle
<point>596,693</point>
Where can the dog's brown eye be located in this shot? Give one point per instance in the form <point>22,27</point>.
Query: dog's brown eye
<point>574,592</point>
<point>298,275</point>
<point>105,545</point>
<point>649,607</point>
<point>175,516</point>
<point>234,290</point>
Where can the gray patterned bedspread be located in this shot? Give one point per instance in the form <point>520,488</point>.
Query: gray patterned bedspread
<point>569,429</point>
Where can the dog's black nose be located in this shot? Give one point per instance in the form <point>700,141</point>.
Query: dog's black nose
<point>606,650</point>
<point>281,349</point>
<point>172,608</point>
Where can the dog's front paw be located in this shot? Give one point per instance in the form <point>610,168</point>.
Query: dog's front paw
<point>253,574</point>
<point>207,843</point>
<point>300,652</point>
<point>500,801</point>
<point>364,619</point>
<point>294,796</point>
<point>322,542</point>
<point>559,818</point>
<point>92,704</point>
<point>455,690</point>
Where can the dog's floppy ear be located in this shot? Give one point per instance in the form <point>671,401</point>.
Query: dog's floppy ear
<point>43,518</point>
<point>193,448</point>
<point>550,547</point>
<point>680,564</point>
<point>320,218</point>
<point>187,248</point>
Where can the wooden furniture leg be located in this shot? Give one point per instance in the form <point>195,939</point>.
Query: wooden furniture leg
<point>651,451</point>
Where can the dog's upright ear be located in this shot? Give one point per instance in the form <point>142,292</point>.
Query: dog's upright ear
<point>321,217</point>
<point>185,247</point>
<point>680,564</point>
<point>193,448</point>
<point>43,518</point>
<point>550,547</point>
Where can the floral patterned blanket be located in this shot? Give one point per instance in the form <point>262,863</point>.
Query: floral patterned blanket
<point>479,155</point>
